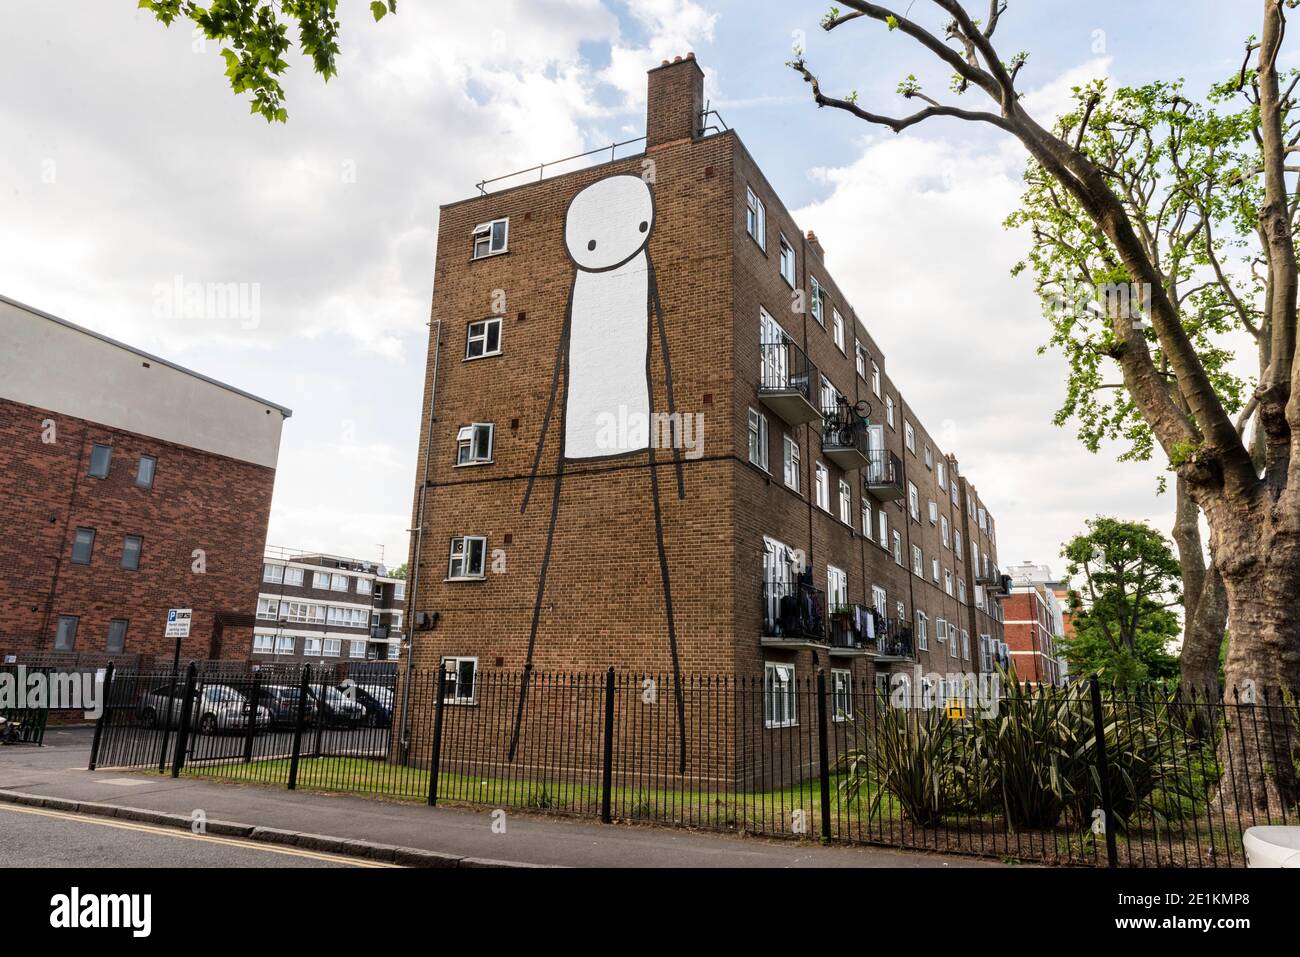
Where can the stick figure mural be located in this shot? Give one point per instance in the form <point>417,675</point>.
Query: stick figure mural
<point>604,361</point>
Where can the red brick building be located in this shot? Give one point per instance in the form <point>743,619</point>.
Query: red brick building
<point>131,486</point>
<point>1035,621</point>
<point>806,518</point>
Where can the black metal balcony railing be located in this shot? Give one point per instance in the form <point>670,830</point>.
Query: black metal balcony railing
<point>987,574</point>
<point>844,436</point>
<point>379,632</point>
<point>788,381</point>
<point>884,474</point>
<point>794,611</point>
<point>847,629</point>
<point>895,639</point>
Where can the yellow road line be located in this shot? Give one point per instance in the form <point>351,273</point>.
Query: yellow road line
<point>206,838</point>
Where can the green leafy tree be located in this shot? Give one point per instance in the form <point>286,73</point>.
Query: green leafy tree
<point>1249,493</point>
<point>398,572</point>
<point>255,38</point>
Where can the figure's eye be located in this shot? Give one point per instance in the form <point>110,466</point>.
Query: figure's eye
<point>591,245</point>
<point>644,225</point>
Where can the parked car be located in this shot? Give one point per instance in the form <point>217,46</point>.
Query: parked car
<point>282,703</point>
<point>377,702</point>
<point>337,709</point>
<point>216,707</point>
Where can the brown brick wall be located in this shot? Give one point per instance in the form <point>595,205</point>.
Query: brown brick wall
<point>198,501</point>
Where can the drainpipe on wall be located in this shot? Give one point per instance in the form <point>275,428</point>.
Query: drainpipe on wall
<point>413,566</point>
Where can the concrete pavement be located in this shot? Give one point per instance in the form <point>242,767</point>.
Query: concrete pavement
<point>457,836</point>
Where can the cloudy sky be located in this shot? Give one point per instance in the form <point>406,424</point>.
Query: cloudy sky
<point>127,164</point>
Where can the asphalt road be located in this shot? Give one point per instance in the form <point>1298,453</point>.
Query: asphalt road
<point>36,837</point>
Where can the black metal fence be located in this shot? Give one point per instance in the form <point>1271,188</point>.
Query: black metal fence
<point>1079,775</point>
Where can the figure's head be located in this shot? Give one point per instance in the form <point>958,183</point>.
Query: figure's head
<point>609,222</point>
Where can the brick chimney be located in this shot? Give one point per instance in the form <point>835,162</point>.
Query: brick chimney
<point>675,102</point>
<point>816,244</point>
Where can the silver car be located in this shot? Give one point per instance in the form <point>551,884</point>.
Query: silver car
<point>216,708</point>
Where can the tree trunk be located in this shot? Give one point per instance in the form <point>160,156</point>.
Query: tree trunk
<point>1205,604</point>
<point>1259,558</point>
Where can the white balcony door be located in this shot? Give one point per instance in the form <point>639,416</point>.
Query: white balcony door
<point>776,371</point>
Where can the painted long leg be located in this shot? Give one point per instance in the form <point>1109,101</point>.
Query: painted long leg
<point>537,603</point>
<point>668,607</point>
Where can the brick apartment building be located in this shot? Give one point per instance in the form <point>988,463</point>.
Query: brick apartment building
<point>324,609</point>
<point>131,486</point>
<point>1035,621</point>
<point>790,535</point>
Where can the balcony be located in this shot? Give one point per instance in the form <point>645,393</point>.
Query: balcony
<point>787,382</point>
<point>988,574</point>
<point>844,437</point>
<point>884,475</point>
<point>379,632</point>
<point>793,614</point>
<point>895,641</point>
<point>849,633</point>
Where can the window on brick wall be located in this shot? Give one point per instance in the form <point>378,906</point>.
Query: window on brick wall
<point>787,262</point>
<point>458,685</point>
<point>918,562</point>
<point>889,411</point>
<point>875,381</point>
<point>144,471</point>
<point>791,463</point>
<point>866,517</point>
<point>860,359</point>
<point>943,530</point>
<point>922,631</point>
<point>284,644</point>
<point>898,548</point>
<point>823,488</point>
<point>83,546</point>
<point>132,545</point>
<point>65,639</point>
<point>474,444</point>
<point>846,503</point>
<point>913,502</point>
<point>778,695</point>
<point>837,328</point>
<point>468,557</point>
<point>101,456</point>
<point>483,338</point>
<point>818,306</point>
<point>115,642</point>
<point>758,439</point>
<point>841,694</point>
<point>491,239</point>
<point>272,573</point>
<point>756,218</point>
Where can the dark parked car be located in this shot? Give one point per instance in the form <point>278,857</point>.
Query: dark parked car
<point>376,700</point>
<point>337,709</point>
<point>282,702</point>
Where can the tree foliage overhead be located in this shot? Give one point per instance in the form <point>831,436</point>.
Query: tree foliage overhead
<point>255,38</point>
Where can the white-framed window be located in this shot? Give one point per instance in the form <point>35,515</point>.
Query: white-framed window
<point>394,651</point>
<point>823,488</point>
<point>934,570</point>
<point>889,410</point>
<point>909,437</point>
<point>791,463</point>
<point>356,649</point>
<point>458,685</point>
<point>875,380</point>
<point>829,394</point>
<point>940,630</point>
<point>922,631</point>
<point>818,307</point>
<point>311,647</point>
<point>339,583</point>
<point>901,609</point>
<point>947,580</point>
<point>273,573</point>
<point>837,328</point>
<point>841,694</point>
<point>929,456</point>
<point>333,647</point>
<point>943,531</point>
<point>986,653</point>
<point>952,640</point>
<point>965,643</point>
<point>860,359</point>
<point>942,475</point>
<point>975,554</point>
<point>866,517</point>
<point>468,557</point>
<point>884,528</point>
<point>474,443</point>
<point>399,591</point>
<point>779,707</point>
<point>294,576</point>
<point>956,541</point>
<point>846,503</point>
<point>956,497</point>
<point>787,262</point>
<point>268,609</point>
<point>837,587</point>
<point>363,586</point>
<point>491,239</point>
<point>483,338</point>
<point>983,519</point>
<point>898,548</point>
<point>320,580</point>
<point>756,218</point>
<point>262,644</point>
<point>918,562</point>
<point>284,644</point>
<point>758,439</point>
<point>303,612</point>
<point>879,599</point>
<point>913,501</point>
<point>346,617</point>
<point>934,512</point>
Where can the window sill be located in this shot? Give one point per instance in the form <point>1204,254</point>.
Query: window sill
<point>491,255</point>
<point>470,465</point>
<point>485,355</point>
<point>467,578</point>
